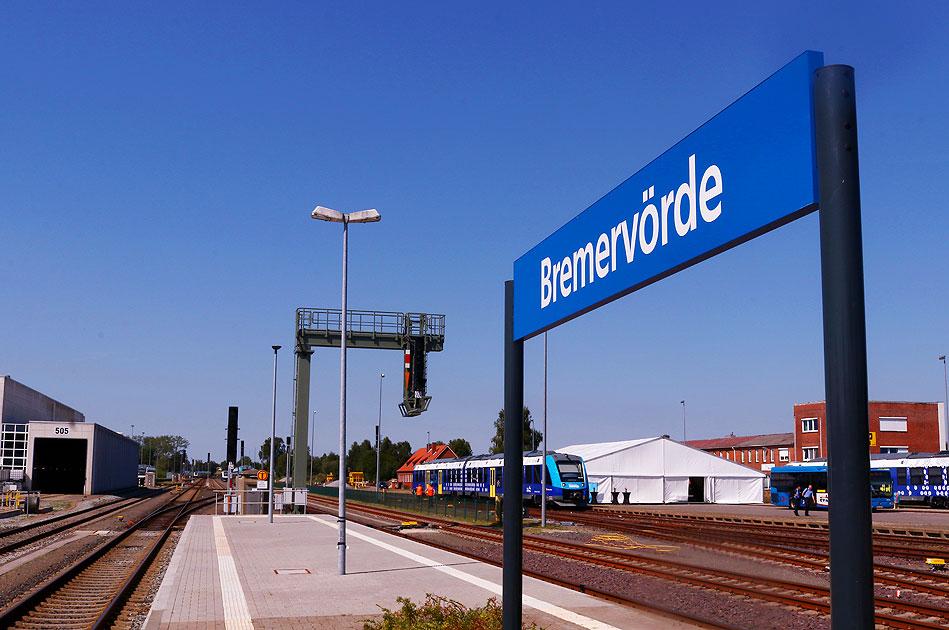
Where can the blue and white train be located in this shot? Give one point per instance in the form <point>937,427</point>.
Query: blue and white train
<point>482,476</point>
<point>917,477</point>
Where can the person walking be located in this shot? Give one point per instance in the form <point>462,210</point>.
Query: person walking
<point>808,497</point>
<point>796,500</point>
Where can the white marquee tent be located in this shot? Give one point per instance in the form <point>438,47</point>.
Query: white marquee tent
<point>660,470</point>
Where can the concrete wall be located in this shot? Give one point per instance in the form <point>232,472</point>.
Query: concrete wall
<point>111,458</point>
<point>115,463</point>
<point>19,403</point>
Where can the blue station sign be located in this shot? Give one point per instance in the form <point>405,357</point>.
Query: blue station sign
<point>748,170</point>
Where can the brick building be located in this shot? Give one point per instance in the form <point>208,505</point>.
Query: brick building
<point>894,427</point>
<point>761,452</point>
<point>430,453</point>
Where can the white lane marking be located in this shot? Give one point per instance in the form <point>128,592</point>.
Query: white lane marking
<point>236,613</point>
<point>533,602</point>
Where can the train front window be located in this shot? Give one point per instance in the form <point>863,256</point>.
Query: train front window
<point>881,484</point>
<point>570,471</point>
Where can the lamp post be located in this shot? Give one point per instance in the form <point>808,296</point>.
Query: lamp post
<point>139,449</point>
<point>361,216</point>
<point>379,434</point>
<point>945,407</point>
<point>683,420</point>
<point>312,433</point>
<point>273,437</point>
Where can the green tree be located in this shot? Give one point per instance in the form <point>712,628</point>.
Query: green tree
<point>460,447</point>
<point>531,436</point>
<point>264,453</point>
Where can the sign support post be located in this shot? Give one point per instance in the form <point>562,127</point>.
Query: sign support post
<point>513,463</point>
<point>845,349</point>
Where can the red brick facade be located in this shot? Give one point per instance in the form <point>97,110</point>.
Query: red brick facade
<point>906,427</point>
<point>761,452</point>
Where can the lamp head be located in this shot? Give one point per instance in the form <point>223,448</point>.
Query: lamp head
<point>327,214</point>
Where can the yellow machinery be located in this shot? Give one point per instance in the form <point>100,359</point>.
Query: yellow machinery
<point>357,479</point>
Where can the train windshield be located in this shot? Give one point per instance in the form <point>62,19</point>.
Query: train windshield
<point>570,471</point>
<point>881,484</point>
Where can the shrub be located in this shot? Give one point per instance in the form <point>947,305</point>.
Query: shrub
<point>440,613</point>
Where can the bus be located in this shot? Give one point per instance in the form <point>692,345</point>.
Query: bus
<point>785,479</point>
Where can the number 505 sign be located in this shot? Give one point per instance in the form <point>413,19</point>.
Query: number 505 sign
<point>62,431</point>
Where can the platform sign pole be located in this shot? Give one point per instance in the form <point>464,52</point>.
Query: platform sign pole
<point>512,477</point>
<point>845,349</point>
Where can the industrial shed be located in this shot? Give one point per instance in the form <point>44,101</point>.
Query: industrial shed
<point>660,470</point>
<point>79,458</point>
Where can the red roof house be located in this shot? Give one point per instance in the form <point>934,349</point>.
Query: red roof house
<point>428,454</point>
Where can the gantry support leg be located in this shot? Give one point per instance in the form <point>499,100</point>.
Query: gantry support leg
<point>301,415</point>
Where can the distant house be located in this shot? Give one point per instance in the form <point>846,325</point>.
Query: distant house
<point>428,454</point>
<point>760,452</point>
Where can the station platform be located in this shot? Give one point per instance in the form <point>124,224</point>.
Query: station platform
<point>243,573</point>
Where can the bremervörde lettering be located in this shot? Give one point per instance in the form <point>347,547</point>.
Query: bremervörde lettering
<point>647,229</point>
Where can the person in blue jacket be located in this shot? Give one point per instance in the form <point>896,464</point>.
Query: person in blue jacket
<point>796,500</point>
<point>808,497</point>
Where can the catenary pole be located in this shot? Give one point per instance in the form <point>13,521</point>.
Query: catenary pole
<point>512,475</point>
<point>945,405</point>
<point>845,349</point>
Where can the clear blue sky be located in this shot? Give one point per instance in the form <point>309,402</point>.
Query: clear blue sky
<point>158,166</point>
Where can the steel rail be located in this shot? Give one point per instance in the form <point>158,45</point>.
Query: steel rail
<point>23,606</point>
<point>698,621</point>
<point>624,561</point>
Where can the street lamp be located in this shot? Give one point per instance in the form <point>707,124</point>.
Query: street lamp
<point>379,434</point>
<point>945,380</point>
<point>273,437</point>
<point>683,420</point>
<point>361,216</point>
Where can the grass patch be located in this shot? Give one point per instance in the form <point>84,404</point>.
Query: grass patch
<point>441,613</point>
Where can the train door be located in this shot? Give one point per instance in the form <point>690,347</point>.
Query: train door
<point>428,479</point>
<point>492,486</point>
<point>440,480</point>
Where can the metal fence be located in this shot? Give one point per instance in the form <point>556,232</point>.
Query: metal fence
<point>462,508</point>
<point>255,501</point>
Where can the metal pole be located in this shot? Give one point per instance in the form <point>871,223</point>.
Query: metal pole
<point>312,437</point>
<point>341,517</point>
<point>945,407</point>
<point>273,438</point>
<point>379,434</point>
<point>683,420</point>
<point>512,475</point>
<point>543,466</point>
<point>845,349</point>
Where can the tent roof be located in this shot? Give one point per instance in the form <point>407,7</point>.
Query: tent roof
<point>656,456</point>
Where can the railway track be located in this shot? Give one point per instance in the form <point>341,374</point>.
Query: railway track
<point>913,546</point>
<point>30,533</point>
<point>783,552</point>
<point>92,592</point>
<point>893,613</point>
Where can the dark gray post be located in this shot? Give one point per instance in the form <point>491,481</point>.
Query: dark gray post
<point>513,461</point>
<point>301,414</point>
<point>845,350</point>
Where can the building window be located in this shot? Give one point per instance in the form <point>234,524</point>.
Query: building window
<point>14,439</point>
<point>809,425</point>
<point>743,457</point>
<point>894,449</point>
<point>756,456</point>
<point>810,453</point>
<point>893,424</point>
<point>783,455</point>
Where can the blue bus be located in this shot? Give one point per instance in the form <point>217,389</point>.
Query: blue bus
<point>785,479</point>
<point>482,476</point>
